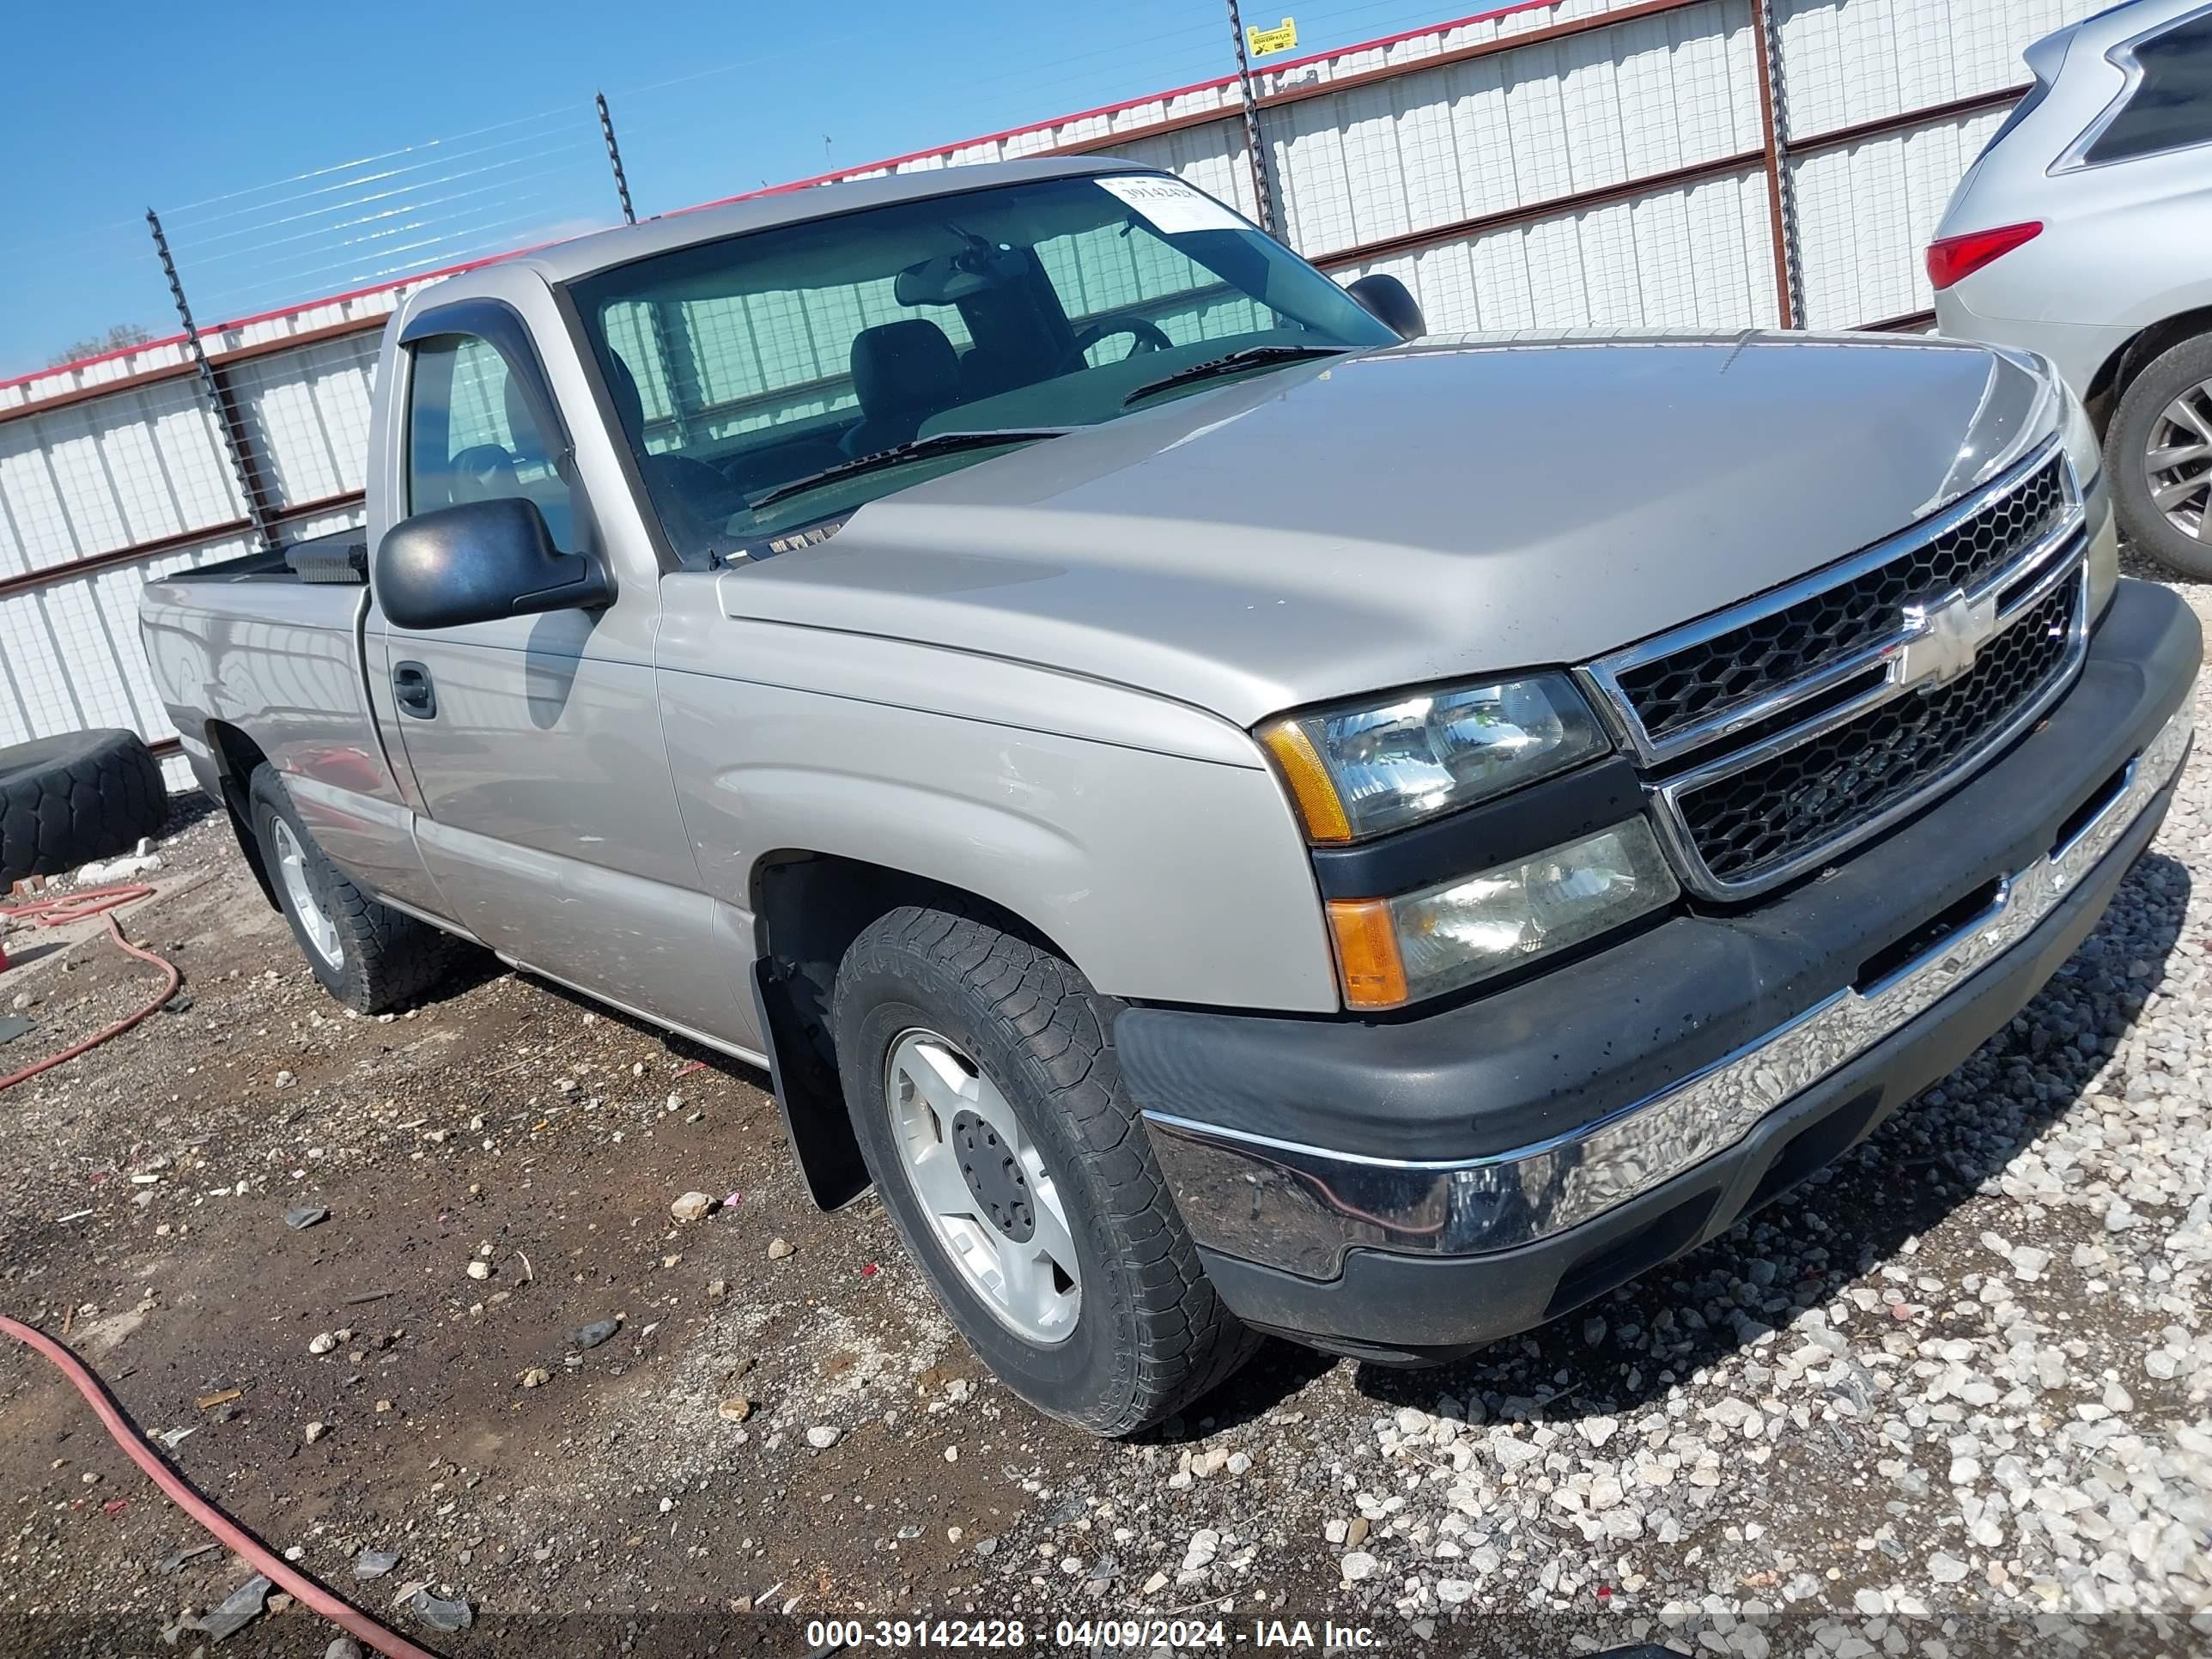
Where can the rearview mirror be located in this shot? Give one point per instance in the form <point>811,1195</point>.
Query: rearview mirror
<point>480,561</point>
<point>1390,303</point>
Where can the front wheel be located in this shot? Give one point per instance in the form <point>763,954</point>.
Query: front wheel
<point>981,1084</point>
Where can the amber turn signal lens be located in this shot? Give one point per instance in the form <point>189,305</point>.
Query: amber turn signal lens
<point>1309,781</point>
<point>1367,953</point>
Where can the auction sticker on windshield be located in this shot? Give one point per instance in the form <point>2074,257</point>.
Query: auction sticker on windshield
<point>1171,206</point>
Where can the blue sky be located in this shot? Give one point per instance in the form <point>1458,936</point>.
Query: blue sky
<point>296,150</point>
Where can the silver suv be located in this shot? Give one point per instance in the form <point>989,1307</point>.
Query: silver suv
<point>2084,232</point>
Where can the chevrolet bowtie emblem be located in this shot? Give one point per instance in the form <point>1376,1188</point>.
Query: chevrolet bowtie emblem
<point>1942,639</point>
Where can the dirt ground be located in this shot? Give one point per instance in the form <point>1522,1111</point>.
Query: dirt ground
<point>1961,1377</point>
<point>505,1123</point>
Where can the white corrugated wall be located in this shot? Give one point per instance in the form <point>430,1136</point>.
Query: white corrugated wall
<point>1865,211</point>
<point>1384,174</point>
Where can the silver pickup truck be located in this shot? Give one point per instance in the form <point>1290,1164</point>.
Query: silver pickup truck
<point>1231,815</point>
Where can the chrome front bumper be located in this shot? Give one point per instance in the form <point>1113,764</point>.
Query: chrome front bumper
<point>1300,1207</point>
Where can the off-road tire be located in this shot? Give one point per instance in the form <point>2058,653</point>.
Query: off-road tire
<point>69,800</point>
<point>2164,378</point>
<point>391,959</point>
<point>1151,1335</point>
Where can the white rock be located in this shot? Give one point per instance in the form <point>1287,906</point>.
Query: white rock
<point>1946,1569</point>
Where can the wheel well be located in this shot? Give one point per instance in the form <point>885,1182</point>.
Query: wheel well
<point>808,907</point>
<point>2111,382</point>
<point>236,755</point>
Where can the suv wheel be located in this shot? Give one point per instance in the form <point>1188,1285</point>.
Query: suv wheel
<point>2158,453</point>
<point>368,955</point>
<point>980,1080</point>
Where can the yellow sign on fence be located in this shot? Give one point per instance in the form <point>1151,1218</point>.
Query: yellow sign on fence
<point>1281,38</point>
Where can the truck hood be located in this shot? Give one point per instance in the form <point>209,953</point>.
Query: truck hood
<point>1458,507</point>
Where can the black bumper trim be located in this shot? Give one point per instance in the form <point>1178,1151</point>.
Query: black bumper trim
<point>1396,1307</point>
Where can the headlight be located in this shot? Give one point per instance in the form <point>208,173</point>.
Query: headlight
<point>1391,951</point>
<point>1359,770</point>
<point>2088,456</point>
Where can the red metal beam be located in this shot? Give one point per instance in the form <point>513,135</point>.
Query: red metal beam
<point>1906,120</point>
<point>1284,96</point>
<point>1574,202</point>
<point>270,316</point>
<point>92,564</point>
<point>221,360</point>
<point>1220,84</point>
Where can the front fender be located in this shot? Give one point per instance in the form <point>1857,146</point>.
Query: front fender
<point>1162,876</point>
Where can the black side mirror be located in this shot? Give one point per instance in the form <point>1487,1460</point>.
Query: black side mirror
<point>480,561</point>
<point>1390,303</point>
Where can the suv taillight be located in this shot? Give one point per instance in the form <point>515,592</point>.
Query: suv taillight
<point>1957,257</point>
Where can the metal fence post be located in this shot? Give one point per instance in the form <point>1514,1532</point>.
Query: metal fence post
<point>1252,146</point>
<point>614,159</point>
<point>217,392</point>
<point>1781,182</point>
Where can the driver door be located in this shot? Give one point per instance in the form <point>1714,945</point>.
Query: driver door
<point>548,816</point>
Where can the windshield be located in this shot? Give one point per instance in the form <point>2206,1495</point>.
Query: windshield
<point>749,372</point>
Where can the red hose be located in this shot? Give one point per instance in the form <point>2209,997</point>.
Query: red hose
<point>287,1578</point>
<point>56,912</point>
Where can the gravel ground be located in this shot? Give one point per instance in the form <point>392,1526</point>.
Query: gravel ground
<point>1948,1398</point>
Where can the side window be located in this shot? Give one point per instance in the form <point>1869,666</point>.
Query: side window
<point>471,436</point>
<point>2172,106</point>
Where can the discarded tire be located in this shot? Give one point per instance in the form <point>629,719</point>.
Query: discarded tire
<point>66,800</point>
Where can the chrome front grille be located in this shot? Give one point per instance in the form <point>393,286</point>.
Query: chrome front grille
<point>1681,694</point>
<point>1776,734</point>
<point>1744,822</point>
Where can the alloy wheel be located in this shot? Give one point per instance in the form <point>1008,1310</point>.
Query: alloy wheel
<point>2177,462</point>
<point>982,1184</point>
<point>292,868</point>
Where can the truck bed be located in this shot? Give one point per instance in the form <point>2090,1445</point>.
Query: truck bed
<point>337,559</point>
<point>269,646</point>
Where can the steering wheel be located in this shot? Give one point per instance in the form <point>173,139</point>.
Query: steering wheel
<point>1149,336</point>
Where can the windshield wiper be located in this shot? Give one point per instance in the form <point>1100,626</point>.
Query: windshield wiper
<point>937,443</point>
<point>1234,363</point>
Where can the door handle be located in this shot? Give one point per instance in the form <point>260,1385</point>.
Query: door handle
<point>410,684</point>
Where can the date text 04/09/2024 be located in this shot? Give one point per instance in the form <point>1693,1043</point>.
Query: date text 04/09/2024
<point>1143,1635</point>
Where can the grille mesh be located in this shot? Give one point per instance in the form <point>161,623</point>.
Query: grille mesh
<point>1779,809</point>
<point>1691,685</point>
